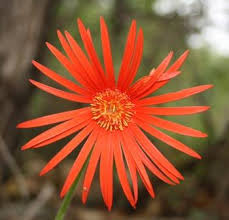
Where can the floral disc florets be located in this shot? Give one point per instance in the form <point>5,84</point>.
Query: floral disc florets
<point>112,109</point>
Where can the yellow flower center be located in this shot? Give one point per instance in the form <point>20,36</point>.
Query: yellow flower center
<point>112,109</point>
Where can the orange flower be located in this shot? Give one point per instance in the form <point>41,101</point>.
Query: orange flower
<point>117,114</point>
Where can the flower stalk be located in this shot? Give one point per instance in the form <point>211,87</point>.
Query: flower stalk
<point>68,197</point>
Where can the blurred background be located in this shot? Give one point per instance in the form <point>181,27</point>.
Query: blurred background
<point>199,25</point>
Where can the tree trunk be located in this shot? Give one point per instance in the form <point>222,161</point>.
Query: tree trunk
<point>23,29</point>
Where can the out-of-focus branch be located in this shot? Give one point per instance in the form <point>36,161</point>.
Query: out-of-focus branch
<point>11,163</point>
<point>35,206</point>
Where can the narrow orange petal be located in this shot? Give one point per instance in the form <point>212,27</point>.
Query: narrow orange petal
<point>168,140</point>
<point>67,64</point>
<point>174,68</point>
<point>110,167</point>
<point>107,56</point>
<point>94,159</point>
<point>136,60</point>
<point>172,126</point>
<point>54,131</point>
<point>78,70</point>
<point>103,186</point>
<point>59,79</point>
<point>127,143</point>
<point>179,62</point>
<point>165,170</point>
<point>51,119</point>
<point>132,168</point>
<point>94,80</point>
<point>106,172</point>
<point>81,124</point>
<point>60,93</point>
<point>128,53</point>
<point>68,148</point>
<point>173,96</point>
<point>187,110</point>
<point>167,76</point>
<point>168,173</point>
<point>146,87</point>
<point>79,162</point>
<point>153,152</point>
<point>121,171</point>
<point>145,160</point>
<point>88,44</point>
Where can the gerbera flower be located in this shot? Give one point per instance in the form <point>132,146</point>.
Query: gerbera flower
<point>116,116</point>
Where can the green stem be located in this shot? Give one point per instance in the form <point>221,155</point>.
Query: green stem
<point>68,197</point>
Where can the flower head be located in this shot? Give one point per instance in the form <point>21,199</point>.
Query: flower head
<point>116,115</point>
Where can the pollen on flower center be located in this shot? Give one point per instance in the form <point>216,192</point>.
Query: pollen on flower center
<point>112,109</point>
